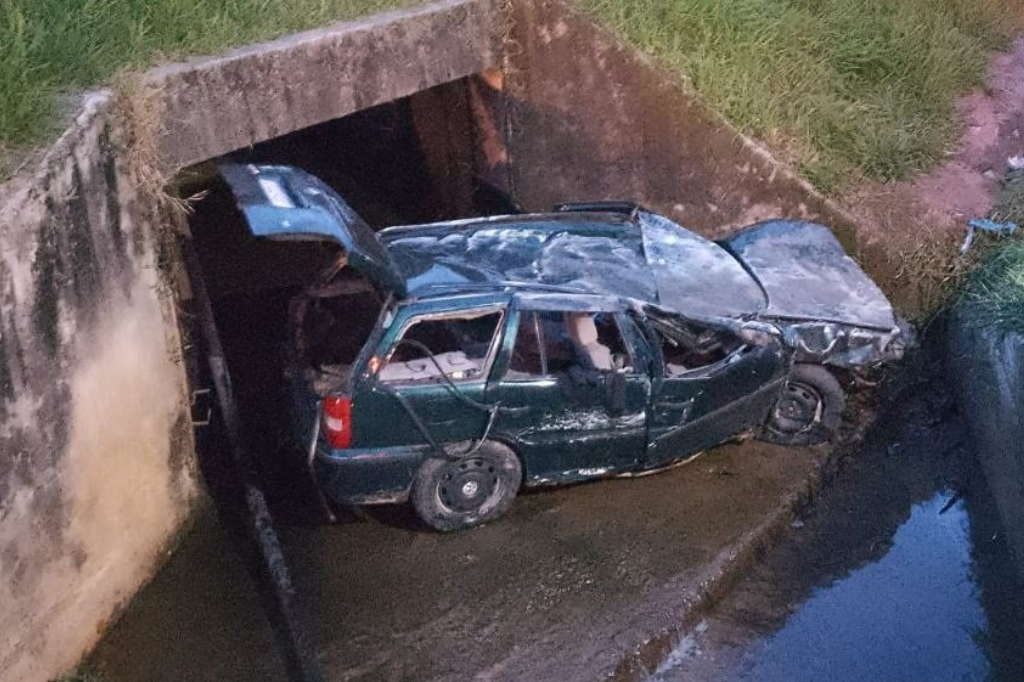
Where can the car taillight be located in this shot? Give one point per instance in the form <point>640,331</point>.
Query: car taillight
<point>338,421</point>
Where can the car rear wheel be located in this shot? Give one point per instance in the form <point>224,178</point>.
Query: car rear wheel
<point>809,410</point>
<point>458,493</point>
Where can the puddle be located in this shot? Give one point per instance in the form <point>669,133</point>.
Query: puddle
<point>898,572</point>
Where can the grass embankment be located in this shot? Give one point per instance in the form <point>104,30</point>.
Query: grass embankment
<point>846,88</point>
<point>52,47</point>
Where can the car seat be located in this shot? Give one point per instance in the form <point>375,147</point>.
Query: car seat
<point>583,332</point>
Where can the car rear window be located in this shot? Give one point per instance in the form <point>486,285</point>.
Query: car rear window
<point>459,347</point>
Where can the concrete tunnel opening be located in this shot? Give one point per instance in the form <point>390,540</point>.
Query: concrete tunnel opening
<point>412,160</point>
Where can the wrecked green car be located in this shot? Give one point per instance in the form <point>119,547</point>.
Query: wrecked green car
<point>452,364</point>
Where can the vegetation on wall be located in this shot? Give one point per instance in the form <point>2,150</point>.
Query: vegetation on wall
<point>994,289</point>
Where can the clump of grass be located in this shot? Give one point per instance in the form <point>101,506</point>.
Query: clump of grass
<point>994,295</point>
<point>994,292</point>
<point>49,48</point>
<point>847,88</point>
<point>929,273</point>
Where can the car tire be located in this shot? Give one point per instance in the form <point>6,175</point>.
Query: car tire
<point>808,411</point>
<point>461,492</point>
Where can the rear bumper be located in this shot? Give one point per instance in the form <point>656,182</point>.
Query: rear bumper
<point>367,476</point>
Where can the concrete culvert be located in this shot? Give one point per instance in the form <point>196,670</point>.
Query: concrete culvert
<point>403,162</point>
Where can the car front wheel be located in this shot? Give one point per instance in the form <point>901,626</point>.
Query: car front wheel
<point>808,411</point>
<point>457,493</point>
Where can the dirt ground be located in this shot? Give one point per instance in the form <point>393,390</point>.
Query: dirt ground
<point>564,587</point>
<point>943,200</point>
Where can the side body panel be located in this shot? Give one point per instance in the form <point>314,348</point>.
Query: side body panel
<point>707,406</point>
<point>414,414</point>
<point>566,433</point>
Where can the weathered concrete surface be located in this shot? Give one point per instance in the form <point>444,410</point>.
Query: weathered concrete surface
<point>563,588</point>
<point>594,119</point>
<point>987,371</point>
<point>95,473</point>
<point>217,105</point>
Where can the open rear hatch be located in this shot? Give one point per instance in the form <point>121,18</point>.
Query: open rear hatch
<point>284,202</point>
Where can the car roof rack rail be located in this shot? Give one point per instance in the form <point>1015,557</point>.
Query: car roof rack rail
<point>629,208</point>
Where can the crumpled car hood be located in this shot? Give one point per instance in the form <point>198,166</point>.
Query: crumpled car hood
<point>807,275</point>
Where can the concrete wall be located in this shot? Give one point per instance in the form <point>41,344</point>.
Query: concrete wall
<point>592,118</point>
<point>986,370</point>
<point>96,474</point>
<point>214,106</point>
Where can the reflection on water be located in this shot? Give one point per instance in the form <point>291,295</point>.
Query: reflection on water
<point>886,579</point>
<point>913,615</point>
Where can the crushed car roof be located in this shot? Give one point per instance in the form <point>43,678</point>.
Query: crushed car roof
<point>642,257</point>
<point>786,269</point>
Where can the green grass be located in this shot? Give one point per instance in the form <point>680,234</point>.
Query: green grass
<point>994,291</point>
<point>52,47</point>
<point>846,88</point>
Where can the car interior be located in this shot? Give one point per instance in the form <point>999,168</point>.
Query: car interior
<point>456,347</point>
<point>550,343</point>
<point>689,347</point>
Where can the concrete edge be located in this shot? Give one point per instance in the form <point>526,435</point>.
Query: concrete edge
<point>368,23</point>
<point>727,569</point>
<point>986,372</point>
<point>94,104</point>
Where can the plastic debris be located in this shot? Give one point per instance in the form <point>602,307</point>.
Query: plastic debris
<point>985,225</point>
<point>1015,162</point>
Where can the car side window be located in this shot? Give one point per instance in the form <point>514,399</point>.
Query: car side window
<point>553,343</point>
<point>688,346</point>
<point>429,348</point>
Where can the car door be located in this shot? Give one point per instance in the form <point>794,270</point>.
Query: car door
<point>570,413</point>
<point>709,387</point>
<point>428,378</point>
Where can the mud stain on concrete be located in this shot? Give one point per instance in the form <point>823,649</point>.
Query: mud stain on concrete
<point>102,517</point>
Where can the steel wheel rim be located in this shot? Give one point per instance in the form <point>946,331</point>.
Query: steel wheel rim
<point>799,408</point>
<point>467,485</point>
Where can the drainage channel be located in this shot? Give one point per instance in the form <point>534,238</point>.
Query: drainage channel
<point>899,571</point>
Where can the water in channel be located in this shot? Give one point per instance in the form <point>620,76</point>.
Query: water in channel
<point>897,572</point>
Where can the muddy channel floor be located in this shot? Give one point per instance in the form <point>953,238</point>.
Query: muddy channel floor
<point>575,581</point>
<point>563,587</point>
